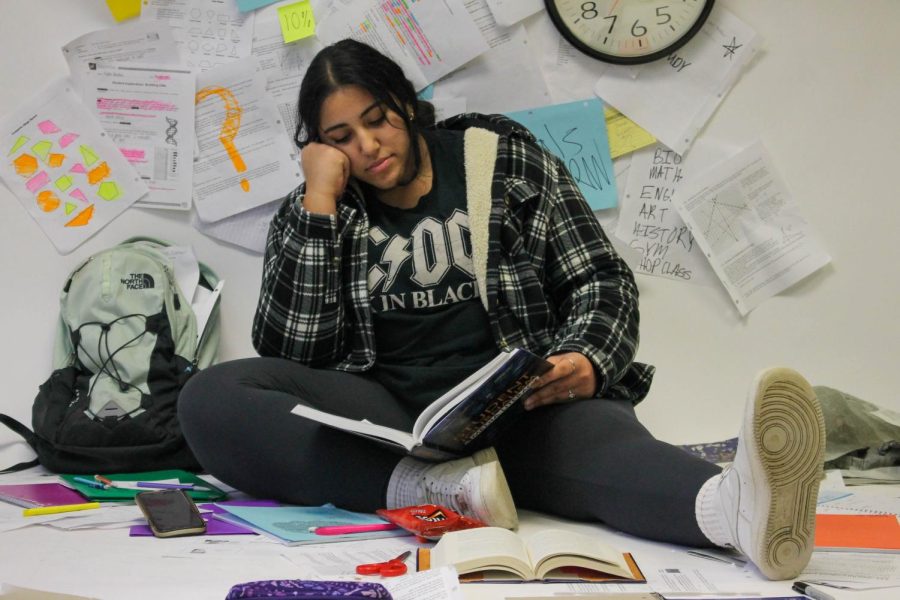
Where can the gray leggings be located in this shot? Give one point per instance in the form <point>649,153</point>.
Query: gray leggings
<point>589,460</point>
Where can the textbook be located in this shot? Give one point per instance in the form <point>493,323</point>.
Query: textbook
<point>465,419</point>
<point>494,554</point>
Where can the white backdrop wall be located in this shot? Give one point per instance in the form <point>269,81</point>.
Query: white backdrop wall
<point>823,95</point>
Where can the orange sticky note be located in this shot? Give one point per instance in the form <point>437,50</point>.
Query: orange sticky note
<point>124,9</point>
<point>297,21</point>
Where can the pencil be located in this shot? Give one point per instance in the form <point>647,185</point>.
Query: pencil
<point>62,508</point>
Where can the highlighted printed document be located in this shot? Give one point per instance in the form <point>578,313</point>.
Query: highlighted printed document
<point>148,112</point>
<point>427,38</point>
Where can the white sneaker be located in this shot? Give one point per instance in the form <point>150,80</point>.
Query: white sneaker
<point>764,504</point>
<point>474,486</point>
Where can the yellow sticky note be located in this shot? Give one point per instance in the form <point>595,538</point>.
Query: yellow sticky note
<point>297,21</point>
<point>124,9</point>
<point>624,134</point>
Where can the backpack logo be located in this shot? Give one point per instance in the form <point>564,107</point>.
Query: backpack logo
<point>138,281</point>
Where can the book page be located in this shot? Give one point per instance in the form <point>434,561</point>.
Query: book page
<point>363,427</point>
<point>483,548</point>
<point>554,548</point>
<point>437,409</point>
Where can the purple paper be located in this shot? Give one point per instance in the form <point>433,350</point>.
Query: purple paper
<point>213,527</point>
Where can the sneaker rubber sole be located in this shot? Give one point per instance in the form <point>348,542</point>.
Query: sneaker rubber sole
<point>786,456</point>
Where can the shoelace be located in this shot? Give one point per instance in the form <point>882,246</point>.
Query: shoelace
<point>107,364</point>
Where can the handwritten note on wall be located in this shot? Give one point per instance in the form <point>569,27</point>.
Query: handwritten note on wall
<point>576,133</point>
<point>649,223</point>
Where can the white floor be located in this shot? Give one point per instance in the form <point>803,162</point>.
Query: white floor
<point>108,564</point>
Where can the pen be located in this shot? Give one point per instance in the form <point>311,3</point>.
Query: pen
<point>165,486</point>
<point>345,529</point>
<point>735,562</point>
<point>62,508</point>
<point>808,590</point>
<point>107,482</point>
<point>89,482</point>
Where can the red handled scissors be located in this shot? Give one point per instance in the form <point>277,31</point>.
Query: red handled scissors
<point>389,568</point>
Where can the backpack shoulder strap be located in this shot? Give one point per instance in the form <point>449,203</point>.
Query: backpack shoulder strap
<point>29,436</point>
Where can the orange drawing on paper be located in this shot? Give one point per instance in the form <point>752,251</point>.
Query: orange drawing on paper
<point>47,201</point>
<point>98,173</point>
<point>230,126</point>
<point>82,218</point>
<point>56,160</point>
<point>26,165</point>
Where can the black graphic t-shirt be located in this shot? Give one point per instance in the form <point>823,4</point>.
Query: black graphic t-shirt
<point>431,330</point>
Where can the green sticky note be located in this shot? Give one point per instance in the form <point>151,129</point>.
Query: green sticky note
<point>297,21</point>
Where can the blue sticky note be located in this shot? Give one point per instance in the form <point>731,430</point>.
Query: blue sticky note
<point>576,133</point>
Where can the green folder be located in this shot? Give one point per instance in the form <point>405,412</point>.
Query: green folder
<point>203,490</point>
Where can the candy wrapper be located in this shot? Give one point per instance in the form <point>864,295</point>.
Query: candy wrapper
<point>428,521</point>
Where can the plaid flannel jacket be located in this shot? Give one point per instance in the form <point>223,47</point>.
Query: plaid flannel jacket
<point>552,283</point>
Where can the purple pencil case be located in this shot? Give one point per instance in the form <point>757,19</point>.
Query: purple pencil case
<point>306,590</point>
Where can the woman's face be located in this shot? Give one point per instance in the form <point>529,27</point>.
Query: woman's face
<point>374,138</point>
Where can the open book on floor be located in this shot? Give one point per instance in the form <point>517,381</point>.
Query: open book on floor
<point>465,419</point>
<point>494,554</point>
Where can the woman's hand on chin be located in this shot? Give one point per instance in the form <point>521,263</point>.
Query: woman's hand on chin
<point>327,172</point>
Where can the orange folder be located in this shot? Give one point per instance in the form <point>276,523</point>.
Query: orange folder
<point>858,533</point>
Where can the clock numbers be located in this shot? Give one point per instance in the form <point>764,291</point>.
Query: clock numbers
<point>628,31</point>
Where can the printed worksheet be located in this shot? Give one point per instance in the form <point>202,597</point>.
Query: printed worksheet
<point>428,38</point>
<point>248,229</point>
<point>148,112</point>
<point>63,168</point>
<point>674,97</point>
<point>209,33</point>
<point>749,227</point>
<point>510,12</point>
<point>245,158</point>
<point>570,74</point>
<point>283,65</point>
<point>509,65</point>
<point>135,41</point>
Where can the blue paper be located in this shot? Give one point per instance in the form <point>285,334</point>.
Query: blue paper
<point>248,5</point>
<point>576,133</point>
<point>291,524</point>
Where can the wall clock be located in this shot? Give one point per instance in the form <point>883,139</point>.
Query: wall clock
<point>628,31</point>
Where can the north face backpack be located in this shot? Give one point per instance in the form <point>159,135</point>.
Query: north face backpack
<point>126,344</point>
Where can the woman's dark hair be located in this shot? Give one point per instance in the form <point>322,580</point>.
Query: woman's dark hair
<point>349,62</point>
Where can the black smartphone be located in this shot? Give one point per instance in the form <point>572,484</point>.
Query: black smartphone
<point>170,513</point>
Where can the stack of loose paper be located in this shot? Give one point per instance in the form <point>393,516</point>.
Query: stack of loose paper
<point>673,98</point>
